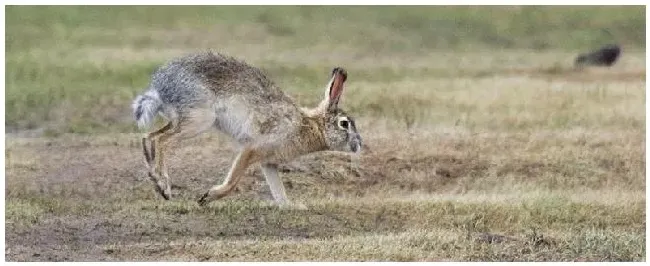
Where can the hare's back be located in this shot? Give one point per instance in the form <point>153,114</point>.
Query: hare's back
<point>204,76</point>
<point>227,76</point>
<point>246,102</point>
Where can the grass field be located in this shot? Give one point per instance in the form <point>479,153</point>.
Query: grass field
<point>483,143</point>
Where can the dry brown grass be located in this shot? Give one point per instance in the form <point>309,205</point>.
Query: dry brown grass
<point>571,195</point>
<point>478,154</point>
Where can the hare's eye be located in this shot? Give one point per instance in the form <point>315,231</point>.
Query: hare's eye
<point>344,124</point>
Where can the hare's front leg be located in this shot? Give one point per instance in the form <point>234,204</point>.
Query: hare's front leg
<point>245,158</point>
<point>270,172</point>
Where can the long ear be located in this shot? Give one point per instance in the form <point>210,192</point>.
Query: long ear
<point>334,89</point>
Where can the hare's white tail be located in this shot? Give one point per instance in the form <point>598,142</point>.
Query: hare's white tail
<point>145,107</point>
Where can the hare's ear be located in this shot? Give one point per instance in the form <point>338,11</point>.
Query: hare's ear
<point>334,89</point>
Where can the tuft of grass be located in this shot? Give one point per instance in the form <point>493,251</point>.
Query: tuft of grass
<point>23,212</point>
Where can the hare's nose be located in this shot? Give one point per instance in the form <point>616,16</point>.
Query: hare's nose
<point>356,148</point>
<point>355,143</point>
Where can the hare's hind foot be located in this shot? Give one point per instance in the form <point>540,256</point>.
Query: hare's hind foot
<point>165,193</point>
<point>161,186</point>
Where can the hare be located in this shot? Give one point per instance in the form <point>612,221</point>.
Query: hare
<point>204,91</point>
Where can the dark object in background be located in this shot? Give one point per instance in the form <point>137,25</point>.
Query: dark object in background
<point>605,56</point>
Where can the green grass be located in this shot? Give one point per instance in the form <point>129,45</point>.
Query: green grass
<point>75,69</point>
<point>405,27</point>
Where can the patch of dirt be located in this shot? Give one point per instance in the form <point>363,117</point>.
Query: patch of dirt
<point>380,171</point>
<point>76,181</point>
<point>92,197</point>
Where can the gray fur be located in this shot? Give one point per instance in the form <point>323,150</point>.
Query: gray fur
<point>202,91</point>
<point>145,107</point>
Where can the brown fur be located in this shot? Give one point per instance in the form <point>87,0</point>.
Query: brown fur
<point>204,91</point>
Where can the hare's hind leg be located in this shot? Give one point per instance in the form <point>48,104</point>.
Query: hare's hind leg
<point>148,152</point>
<point>158,171</point>
<point>245,158</point>
<point>191,124</point>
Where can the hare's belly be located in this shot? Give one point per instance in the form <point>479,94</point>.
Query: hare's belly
<point>248,123</point>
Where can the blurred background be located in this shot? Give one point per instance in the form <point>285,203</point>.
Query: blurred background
<point>75,69</point>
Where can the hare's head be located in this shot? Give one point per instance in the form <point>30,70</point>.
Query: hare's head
<point>339,129</point>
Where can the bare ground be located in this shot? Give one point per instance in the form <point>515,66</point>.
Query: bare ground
<point>76,198</point>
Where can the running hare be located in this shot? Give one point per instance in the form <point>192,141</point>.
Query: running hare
<point>203,91</point>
